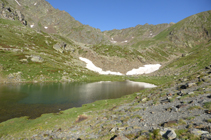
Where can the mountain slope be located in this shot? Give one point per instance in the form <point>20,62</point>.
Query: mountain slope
<point>57,47</point>
<point>51,20</point>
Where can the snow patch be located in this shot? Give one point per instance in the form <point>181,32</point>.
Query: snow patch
<point>18,3</point>
<point>141,70</point>
<point>142,84</point>
<point>35,3</point>
<point>124,41</point>
<point>91,66</point>
<point>46,27</point>
<point>31,26</point>
<point>144,70</point>
<point>114,41</point>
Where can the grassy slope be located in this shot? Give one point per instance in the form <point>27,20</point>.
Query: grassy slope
<point>27,42</point>
<point>48,121</point>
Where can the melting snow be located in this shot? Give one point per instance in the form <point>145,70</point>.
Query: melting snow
<point>144,70</point>
<point>46,27</point>
<point>141,70</point>
<point>18,3</point>
<point>142,84</point>
<point>124,41</point>
<point>91,66</point>
<point>114,41</point>
<point>31,26</point>
<point>35,4</point>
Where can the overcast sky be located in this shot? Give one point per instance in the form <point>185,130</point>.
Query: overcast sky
<point>119,14</point>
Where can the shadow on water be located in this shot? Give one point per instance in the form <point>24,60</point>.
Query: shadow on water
<point>32,100</point>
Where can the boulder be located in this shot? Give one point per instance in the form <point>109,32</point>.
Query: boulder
<point>144,99</point>
<point>36,58</point>
<point>69,48</point>
<point>168,133</point>
<point>171,134</point>
<point>58,48</point>
<point>205,137</point>
<point>191,84</point>
<point>15,76</point>
<point>198,132</point>
<point>113,130</point>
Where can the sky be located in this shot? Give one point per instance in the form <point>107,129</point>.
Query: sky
<point>120,14</point>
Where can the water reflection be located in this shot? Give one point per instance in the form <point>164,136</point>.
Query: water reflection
<point>35,99</point>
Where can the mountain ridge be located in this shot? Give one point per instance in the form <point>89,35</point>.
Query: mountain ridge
<point>122,50</point>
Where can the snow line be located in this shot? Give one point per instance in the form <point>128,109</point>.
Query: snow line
<point>141,70</point>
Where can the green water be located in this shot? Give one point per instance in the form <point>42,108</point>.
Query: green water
<point>35,99</point>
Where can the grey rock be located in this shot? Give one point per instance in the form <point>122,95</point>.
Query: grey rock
<point>206,137</point>
<point>198,132</point>
<point>36,58</point>
<point>58,48</point>
<point>191,84</point>
<point>171,135</point>
<point>189,93</point>
<point>113,130</point>
<point>168,133</point>
<point>174,109</point>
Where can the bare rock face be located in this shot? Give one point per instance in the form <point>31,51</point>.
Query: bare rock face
<point>8,12</point>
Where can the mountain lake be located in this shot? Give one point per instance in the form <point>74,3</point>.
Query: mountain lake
<point>34,99</point>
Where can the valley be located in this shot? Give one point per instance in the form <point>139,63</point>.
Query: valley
<point>52,47</point>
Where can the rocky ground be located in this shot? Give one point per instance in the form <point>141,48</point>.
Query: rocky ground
<point>179,111</point>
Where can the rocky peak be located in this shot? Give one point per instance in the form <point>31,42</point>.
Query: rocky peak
<point>51,20</point>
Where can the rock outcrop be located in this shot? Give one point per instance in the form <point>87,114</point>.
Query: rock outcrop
<point>7,12</point>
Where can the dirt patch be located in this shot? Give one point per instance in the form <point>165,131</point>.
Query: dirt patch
<point>81,118</point>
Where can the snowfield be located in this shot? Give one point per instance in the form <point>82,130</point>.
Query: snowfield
<point>141,70</point>
<point>144,70</point>
<point>91,66</point>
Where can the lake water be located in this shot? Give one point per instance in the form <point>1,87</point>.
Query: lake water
<point>32,100</point>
